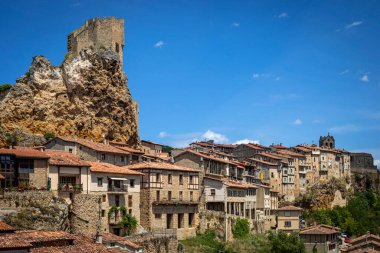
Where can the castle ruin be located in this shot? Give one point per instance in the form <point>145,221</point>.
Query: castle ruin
<point>96,33</point>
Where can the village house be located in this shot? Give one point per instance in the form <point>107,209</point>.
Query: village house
<point>169,198</point>
<point>323,238</point>
<point>288,219</point>
<point>119,188</point>
<point>89,150</point>
<point>68,174</point>
<point>273,207</point>
<point>136,155</point>
<point>151,148</point>
<point>244,151</point>
<point>24,167</point>
<point>210,145</point>
<point>367,243</point>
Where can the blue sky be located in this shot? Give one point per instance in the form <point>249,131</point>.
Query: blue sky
<point>268,71</point>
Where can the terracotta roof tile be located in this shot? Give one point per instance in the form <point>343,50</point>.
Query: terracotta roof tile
<point>7,243</point>
<point>63,158</point>
<point>289,208</point>
<point>291,153</point>
<point>320,229</point>
<point>263,162</point>
<point>4,227</point>
<point>205,156</point>
<point>24,153</point>
<point>110,168</point>
<point>239,185</point>
<point>159,165</point>
<point>108,238</point>
<point>131,150</point>
<point>210,145</point>
<point>101,147</point>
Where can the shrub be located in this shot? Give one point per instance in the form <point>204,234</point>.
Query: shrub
<point>49,135</point>
<point>128,223</point>
<point>5,86</point>
<point>241,228</point>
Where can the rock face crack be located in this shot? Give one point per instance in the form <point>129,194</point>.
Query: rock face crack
<point>86,96</point>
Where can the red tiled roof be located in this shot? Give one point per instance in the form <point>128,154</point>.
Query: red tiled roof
<point>239,185</point>
<point>63,158</point>
<point>101,147</point>
<point>369,237</point>
<point>24,153</point>
<point>291,153</point>
<point>4,227</point>
<point>255,146</point>
<point>131,150</point>
<point>278,146</point>
<point>273,190</point>
<point>263,162</point>
<point>110,168</point>
<point>209,144</point>
<point>109,238</point>
<point>289,208</point>
<point>151,142</point>
<point>205,156</point>
<point>270,155</point>
<point>7,243</point>
<point>158,165</point>
<point>320,229</point>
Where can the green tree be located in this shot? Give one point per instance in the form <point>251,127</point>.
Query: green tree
<point>283,243</point>
<point>241,228</point>
<point>49,135</point>
<point>11,139</point>
<point>5,86</point>
<point>128,223</point>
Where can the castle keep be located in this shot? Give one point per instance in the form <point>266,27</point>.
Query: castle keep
<point>107,33</point>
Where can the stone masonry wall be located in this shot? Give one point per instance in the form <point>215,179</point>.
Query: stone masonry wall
<point>152,244</point>
<point>85,214</point>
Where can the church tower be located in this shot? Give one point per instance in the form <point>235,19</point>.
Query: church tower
<point>327,141</point>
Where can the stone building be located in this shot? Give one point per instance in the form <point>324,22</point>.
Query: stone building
<point>24,167</point>
<point>243,151</point>
<point>151,148</point>
<point>323,237</point>
<point>89,150</point>
<point>105,33</point>
<point>327,141</point>
<point>169,198</point>
<point>367,243</point>
<point>119,188</point>
<point>288,219</point>
<point>362,162</point>
<point>210,145</point>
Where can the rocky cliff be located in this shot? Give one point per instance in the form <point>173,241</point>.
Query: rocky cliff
<point>86,96</point>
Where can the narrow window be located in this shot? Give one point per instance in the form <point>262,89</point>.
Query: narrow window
<point>100,181</point>
<point>104,198</point>
<point>191,196</point>
<point>212,192</point>
<point>129,200</point>
<point>157,195</point>
<point>70,150</point>
<point>103,213</point>
<point>132,183</point>
<point>180,195</point>
<point>103,157</point>
<point>169,195</point>
<point>181,179</point>
<point>117,48</point>
<point>170,180</point>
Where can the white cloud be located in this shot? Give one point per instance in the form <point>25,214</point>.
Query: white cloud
<point>365,78</point>
<point>344,72</point>
<point>255,75</point>
<point>163,134</point>
<point>348,128</point>
<point>246,141</point>
<point>277,78</point>
<point>353,24</point>
<point>283,15</point>
<point>298,121</point>
<point>219,138</point>
<point>235,24</point>
<point>159,44</point>
<point>377,163</point>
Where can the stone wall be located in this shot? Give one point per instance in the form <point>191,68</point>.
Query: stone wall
<point>153,244</point>
<point>85,214</point>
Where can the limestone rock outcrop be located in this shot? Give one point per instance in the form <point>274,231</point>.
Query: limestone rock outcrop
<point>86,96</point>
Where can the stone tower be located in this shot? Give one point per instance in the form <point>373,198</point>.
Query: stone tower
<point>327,141</point>
<point>106,33</point>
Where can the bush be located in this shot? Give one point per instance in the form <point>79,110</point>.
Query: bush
<point>128,223</point>
<point>206,243</point>
<point>11,139</point>
<point>241,228</point>
<point>5,86</point>
<point>284,243</point>
<point>49,135</point>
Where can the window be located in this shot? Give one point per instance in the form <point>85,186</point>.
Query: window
<point>112,244</point>
<point>104,198</point>
<point>212,192</point>
<point>288,223</point>
<point>180,195</point>
<point>157,195</point>
<point>103,213</point>
<point>181,179</point>
<point>272,175</point>
<point>180,220</point>
<point>191,179</point>
<point>170,179</point>
<point>70,150</point>
<point>157,215</point>
<point>100,181</point>
<point>117,200</point>
<point>191,220</point>
<point>287,214</point>
<point>103,157</point>
<point>191,196</point>
<point>158,177</point>
<point>129,200</point>
<point>117,48</point>
<point>169,195</point>
<point>122,159</point>
<point>130,211</point>
<point>132,183</point>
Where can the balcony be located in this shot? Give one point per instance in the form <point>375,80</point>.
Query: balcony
<point>193,186</point>
<point>215,198</point>
<point>248,174</point>
<point>120,188</point>
<point>174,201</point>
<point>70,187</point>
<point>157,185</point>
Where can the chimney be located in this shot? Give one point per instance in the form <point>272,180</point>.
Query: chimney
<point>99,238</point>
